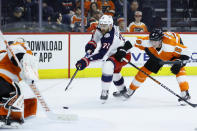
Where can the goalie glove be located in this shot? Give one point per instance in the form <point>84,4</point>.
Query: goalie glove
<point>29,72</point>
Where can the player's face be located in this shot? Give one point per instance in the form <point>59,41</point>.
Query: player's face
<point>104,28</point>
<point>155,44</point>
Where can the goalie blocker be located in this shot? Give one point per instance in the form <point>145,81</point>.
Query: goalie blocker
<point>13,80</point>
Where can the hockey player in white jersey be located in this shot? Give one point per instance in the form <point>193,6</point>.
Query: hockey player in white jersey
<point>13,80</point>
<point>111,41</point>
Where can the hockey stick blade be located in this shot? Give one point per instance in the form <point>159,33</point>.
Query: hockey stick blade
<point>62,117</point>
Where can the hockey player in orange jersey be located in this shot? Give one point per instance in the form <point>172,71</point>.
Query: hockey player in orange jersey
<point>161,46</point>
<point>13,80</point>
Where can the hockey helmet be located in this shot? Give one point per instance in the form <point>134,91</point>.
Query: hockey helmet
<point>106,19</point>
<point>156,34</point>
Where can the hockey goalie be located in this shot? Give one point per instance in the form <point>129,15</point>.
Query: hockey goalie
<point>14,79</point>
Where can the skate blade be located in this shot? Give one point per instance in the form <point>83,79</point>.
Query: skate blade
<point>182,103</point>
<point>103,101</point>
<point>12,126</point>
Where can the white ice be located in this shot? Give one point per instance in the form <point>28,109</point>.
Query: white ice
<point>151,108</point>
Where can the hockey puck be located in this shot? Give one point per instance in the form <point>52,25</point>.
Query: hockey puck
<point>65,107</point>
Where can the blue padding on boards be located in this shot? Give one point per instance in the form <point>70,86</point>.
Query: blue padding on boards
<point>106,78</point>
<point>119,82</point>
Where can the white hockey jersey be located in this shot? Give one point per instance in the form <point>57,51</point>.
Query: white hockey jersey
<point>109,43</point>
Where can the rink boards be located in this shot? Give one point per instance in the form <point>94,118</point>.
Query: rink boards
<point>58,52</point>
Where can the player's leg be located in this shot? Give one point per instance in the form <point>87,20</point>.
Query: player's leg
<point>13,105</point>
<point>106,79</point>
<point>137,81</point>
<point>183,84</point>
<point>119,83</point>
<point>117,77</point>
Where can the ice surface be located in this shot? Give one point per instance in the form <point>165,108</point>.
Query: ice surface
<point>151,108</point>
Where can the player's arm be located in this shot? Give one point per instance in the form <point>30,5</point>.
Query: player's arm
<point>184,54</point>
<point>142,42</point>
<point>92,44</point>
<point>89,50</point>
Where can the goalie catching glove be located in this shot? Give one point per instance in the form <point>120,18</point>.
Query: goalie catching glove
<point>29,72</point>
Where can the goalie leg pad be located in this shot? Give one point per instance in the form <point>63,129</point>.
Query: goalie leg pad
<point>5,88</point>
<point>30,107</point>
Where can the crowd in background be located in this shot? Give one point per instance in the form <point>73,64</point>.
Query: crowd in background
<point>66,14</point>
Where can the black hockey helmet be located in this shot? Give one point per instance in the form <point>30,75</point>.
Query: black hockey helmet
<point>156,34</point>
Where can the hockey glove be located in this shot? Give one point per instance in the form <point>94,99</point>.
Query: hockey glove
<point>82,64</point>
<point>122,51</point>
<point>153,63</point>
<point>177,67</point>
<point>90,47</point>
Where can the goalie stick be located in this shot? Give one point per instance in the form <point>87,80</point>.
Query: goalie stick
<point>162,85</point>
<point>37,93</point>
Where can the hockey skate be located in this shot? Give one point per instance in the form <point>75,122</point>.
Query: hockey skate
<point>7,122</point>
<point>104,96</point>
<point>185,95</point>
<point>120,93</point>
<point>128,94</point>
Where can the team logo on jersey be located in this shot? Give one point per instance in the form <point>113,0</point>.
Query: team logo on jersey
<point>179,50</point>
<point>138,41</point>
<point>107,35</point>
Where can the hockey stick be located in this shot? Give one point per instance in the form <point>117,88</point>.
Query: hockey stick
<point>71,79</point>
<point>35,90</point>
<point>162,85</point>
<point>87,54</point>
<point>178,62</point>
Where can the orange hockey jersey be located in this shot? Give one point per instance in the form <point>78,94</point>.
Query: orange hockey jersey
<point>141,27</point>
<point>8,70</point>
<point>75,19</point>
<point>171,48</point>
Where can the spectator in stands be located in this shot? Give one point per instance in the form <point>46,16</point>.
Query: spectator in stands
<point>76,21</point>
<point>134,5</point>
<point>66,6</point>
<point>119,4</point>
<point>86,6</point>
<point>31,9</point>
<point>17,15</point>
<point>137,25</point>
<point>121,24</point>
<point>93,9</point>
<point>47,12</point>
<point>93,22</point>
<point>107,7</point>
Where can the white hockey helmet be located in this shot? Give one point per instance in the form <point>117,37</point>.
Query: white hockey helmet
<point>106,19</point>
